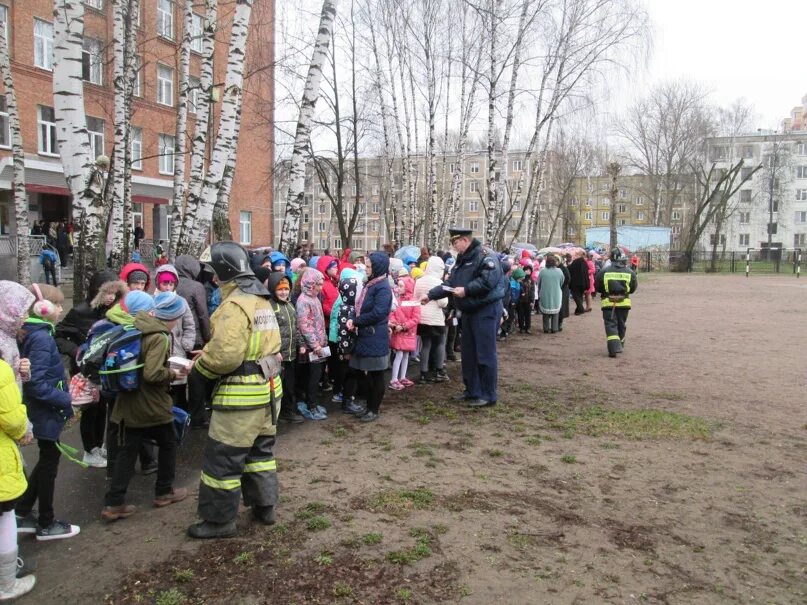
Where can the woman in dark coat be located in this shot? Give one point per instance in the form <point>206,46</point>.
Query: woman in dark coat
<point>564,305</point>
<point>578,271</point>
<point>371,354</point>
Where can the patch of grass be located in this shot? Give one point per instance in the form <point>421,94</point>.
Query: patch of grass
<point>421,549</point>
<point>339,431</point>
<point>324,558</point>
<point>640,424</point>
<point>430,409</point>
<point>310,510</point>
<point>421,449</point>
<point>401,501</point>
<point>440,529</point>
<point>534,440</point>
<point>170,597</point>
<point>342,589</point>
<point>183,575</point>
<point>244,558</point>
<point>318,523</point>
<point>568,459</point>
<point>495,453</point>
<point>372,538</point>
<point>568,434</point>
<point>423,419</point>
<point>350,542</point>
<point>404,594</point>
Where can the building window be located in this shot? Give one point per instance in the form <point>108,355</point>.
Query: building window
<point>773,228</point>
<point>623,194</point>
<point>43,44</point>
<point>676,229</point>
<point>713,239</point>
<point>376,189</point>
<point>374,226</point>
<point>197,32</point>
<point>801,149</point>
<point>474,168</point>
<point>745,196</point>
<point>305,235</point>
<point>799,239</point>
<point>606,201</point>
<point>165,19</point>
<point>336,243</point>
<point>589,216</point>
<point>745,173</point>
<point>95,131</point>
<point>166,152</point>
<point>747,151</point>
<point>605,215</point>
<point>474,225</point>
<point>640,216</point>
<point>621,208</point>
<point>376,208</point>
<point>137,85</point>
<point>473,206</point>
<point>5,127</point>
<point>588,202</point>
<point>96,4</point>
<point>590,187</point>
<point>245,226</point>
<point>4,22</point>
<point>194,93</point>
<point>719,152</point>
<point>573,201</point>
<point>622,221</point>
<point>321,226</point>
<point>640,201</point>
<point>473,186</point>
<point>745,217</point>
<point>92,63</point>
<point>745,239</point>
<point>801,172</point>
<point>451,167</point>
<point>801,195</point>
<point>46,120</point>
<point>676,215</point>
<point>517,165</point>
<point>136,139</point>
<point>517,205</point>
<point>165,85</point>
<point>321,208</point>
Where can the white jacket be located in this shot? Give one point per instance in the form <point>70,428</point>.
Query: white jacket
<point>431,314</point>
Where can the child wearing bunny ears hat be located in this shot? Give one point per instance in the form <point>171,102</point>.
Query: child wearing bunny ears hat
<point>48,402</point>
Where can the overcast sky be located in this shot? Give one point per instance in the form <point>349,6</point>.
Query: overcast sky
<point>754,50</point>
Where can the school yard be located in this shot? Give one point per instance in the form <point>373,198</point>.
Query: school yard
<point>673,474</point>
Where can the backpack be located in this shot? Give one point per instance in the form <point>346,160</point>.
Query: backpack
<point>182,423</point>
<point>122,369</point>
<point>515,290</point>
<point>91,356</point>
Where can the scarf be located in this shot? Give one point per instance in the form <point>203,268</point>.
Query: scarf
<point>364,291</point>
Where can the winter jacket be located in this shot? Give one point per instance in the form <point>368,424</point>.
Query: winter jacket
<point>279,257</point>
<point>592,270</point>
<point>310,319</point>
<point>480,273</point>
<point>405,317</point>
<point>564,292</point>
<point>183,334</point>
<point>128,268</point>
<point>578,274</point>
<point>151,404</point>
<point>431,314</point>
<point>15,300</point>
<point>45,394</point>
<point>350,285</point>
<point>616,280</point>
<point>195,295</point>
<point>373,318</point>
<point>13,426</point>
<point>286,316</point>
<point>527,296</point>
<point>47,258</point>
<point>72,331</point>
<point>550,282</point>
<point>330,287</point>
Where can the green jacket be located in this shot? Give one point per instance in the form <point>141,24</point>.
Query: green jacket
<point>151,404</point>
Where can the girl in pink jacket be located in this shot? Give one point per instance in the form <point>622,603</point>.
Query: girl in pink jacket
<point>403,325</point>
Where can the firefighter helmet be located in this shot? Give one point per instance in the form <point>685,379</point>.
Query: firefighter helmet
<point>229,260</point>
<point>616,254</point>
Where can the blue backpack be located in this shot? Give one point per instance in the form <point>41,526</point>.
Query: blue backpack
<point>123,368</point>
<point>515,290</point>
<point>91,356</point>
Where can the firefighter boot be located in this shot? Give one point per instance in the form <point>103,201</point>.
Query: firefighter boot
<point>208,529</point>
<point>264,514</point>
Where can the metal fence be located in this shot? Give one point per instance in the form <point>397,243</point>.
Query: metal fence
<point>750,261</point>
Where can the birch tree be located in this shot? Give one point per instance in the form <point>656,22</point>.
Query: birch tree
<point>18,160</point>
<point>290,232</point>
<point>85,178</point>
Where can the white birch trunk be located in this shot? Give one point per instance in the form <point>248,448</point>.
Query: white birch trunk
<point>180,145</point>
<point>204,114</point>
<point>290,232</point>
<point>227,138</point>
<point>222,230</point>
<point>18,160</point>
<point>84,178</point>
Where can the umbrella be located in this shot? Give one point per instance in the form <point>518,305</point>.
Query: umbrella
<point>408,251</point>
<point>549,250</point>
<point>567,245</point>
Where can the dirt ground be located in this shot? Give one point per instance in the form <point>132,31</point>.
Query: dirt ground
<point>673,474</point>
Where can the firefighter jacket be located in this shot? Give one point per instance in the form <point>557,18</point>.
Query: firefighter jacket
<point>616,283</point>
<point>243,330</point>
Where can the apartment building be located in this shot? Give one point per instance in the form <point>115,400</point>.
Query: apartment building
<point>774,200</point>
<point>374,227</point>
<point>29,28</point>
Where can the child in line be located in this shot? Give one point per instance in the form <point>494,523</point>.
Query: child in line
<point>403,324</point>
<point>48,403</point>
<point>311,326</point>
<point>279,286</point>
<point>351,283</point>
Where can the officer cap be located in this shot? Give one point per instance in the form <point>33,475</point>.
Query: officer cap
<point>457,232</point>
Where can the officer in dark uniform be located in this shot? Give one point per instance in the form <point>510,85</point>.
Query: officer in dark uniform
<point>615,283</point>
<point>476,286</point>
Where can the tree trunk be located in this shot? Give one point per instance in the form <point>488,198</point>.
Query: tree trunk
<point>180,146</point>
<point>290,232</point>
<point>18,159</point>
<point>613,171</point>
<point>222,228</point>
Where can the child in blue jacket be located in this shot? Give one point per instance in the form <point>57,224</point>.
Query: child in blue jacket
<point>48,402</point>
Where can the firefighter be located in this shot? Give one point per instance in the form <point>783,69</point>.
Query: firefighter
<point>615,283</point>
<point>243,360</point>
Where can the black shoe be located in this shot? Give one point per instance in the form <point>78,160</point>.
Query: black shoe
<point>149,469</point>
<point>291,417</point>
<point>611,354</point>
<point>206,529</point>
<point>452,358</point>
<point>462,397</point>
<point>425,379</point>
<point>369,417</point>
<point>480,403</point>
<point>441,376</point>
<point>264,514</point>
<point>327,387</point>
<point>202,424</point>
<point>355,409</point>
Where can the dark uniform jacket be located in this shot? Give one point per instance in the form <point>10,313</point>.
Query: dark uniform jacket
<point>616,280</point>
<point>480,273</point>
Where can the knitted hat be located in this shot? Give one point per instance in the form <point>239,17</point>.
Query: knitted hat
<point>136,276</point>
<point>296,263</point>
<point>518,273</point>
<point>136,301</point>
<point>403,272</point>
<point>164,277</point>
<point>354,256</point>
<point>169,306</point>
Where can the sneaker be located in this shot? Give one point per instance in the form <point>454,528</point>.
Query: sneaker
<point>355,408</point>
<point>27,524</point>
<point>149,469</point>
<point>101,451</point>
<point>57,531</point>
<point>441,376</point>
<point>425,379</point>
<point>94,459</point>
<point>396,386</point>
<point>406,382</point>
<point>369,417</point>
<point>337,398</point>
<point>327,387</point>
<point>414,359</point>
<point>178,494</point>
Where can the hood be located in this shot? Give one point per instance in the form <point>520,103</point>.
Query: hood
<point>379,261</point>
<point>127,269</point>
<point>277,256</point>
<point>187,266</point>
<point>15,301</point>
<point>350,286</point>
<point>323,262</point>
<point>312,262</point>
<point>166,269</point>
<point>274,279</point>
<point>409,287</point>
<point>116,287</point>
<point>518,274</point>
<point>118,316</point>
<point>148,324</point>
<point>435,267</point>
<point>296,263</point>
<point>409,260</point>
<point>34,324</point>
<point>310,278</point>
<point>395,265</point>
<point>98,280</point>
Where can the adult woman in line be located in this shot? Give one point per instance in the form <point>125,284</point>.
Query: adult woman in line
<point>371,355</point>
<point>550,283</point>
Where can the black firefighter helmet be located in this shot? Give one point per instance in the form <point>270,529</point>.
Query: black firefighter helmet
<point>616,254</point>
<point>228,260</point>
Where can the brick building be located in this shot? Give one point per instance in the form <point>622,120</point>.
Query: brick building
<point>29,29</point>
